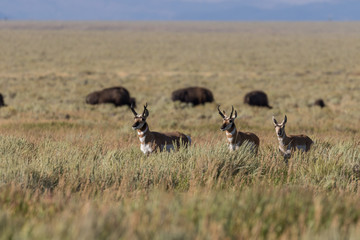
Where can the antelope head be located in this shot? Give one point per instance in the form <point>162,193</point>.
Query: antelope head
<point>279,128</point>
<point>228,122</point>
<point>139,119</point>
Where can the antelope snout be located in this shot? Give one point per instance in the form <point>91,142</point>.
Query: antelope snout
<point>135,126</point>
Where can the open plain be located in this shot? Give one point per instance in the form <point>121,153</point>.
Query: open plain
<point>74,171</point>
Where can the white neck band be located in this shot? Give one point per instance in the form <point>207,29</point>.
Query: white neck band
<point>143,132</point>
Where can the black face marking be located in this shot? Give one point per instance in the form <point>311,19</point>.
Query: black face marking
<point>138,122</point>
<point>227,124</point>
<point>280,132</point>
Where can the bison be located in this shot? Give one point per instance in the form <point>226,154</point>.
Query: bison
<point>319,102</point>
<point>194,95</point>
<point>2,104</point>
<point>116,95</point>
<point>257,98</point>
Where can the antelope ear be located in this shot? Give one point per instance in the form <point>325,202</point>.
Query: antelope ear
<point>146,113</point>
<point>235,114</point>
<point>285,120</point>
<point>274,121</point>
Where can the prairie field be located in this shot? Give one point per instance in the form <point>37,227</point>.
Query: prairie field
<point>69,170</point>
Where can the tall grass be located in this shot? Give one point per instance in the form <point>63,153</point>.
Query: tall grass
<point>46,164</point>
<point>58,190</point>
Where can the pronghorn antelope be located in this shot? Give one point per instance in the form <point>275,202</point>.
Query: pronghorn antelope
<point>287,144</point>
<point>153,141</point>
<point>234,137</point>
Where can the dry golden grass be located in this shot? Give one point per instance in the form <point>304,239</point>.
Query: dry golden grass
<point>85,177</point>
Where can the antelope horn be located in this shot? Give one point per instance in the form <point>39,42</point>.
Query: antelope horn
<point>133,110</point>
<point>221,114</point>
<point>145,112</point>
<point>232,110</point>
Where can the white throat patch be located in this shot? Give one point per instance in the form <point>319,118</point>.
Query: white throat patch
<point>230,136</point>
<point>232,132</point>
<point>142,139</point>
<point>142,132</point>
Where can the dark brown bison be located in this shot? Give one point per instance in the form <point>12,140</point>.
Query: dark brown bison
<point>2,104</point>
<point>319,102</point>
<point>194,95</point>
<point>116,95</point>
<point>257,98</point>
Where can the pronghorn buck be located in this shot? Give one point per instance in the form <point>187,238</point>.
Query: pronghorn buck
<point>153,141</point>
<point>287,144</point>
<point>234,137</point>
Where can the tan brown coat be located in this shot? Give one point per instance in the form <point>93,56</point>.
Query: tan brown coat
<point>155,141</point>
<point>291,143</point>
<point>237,138</point>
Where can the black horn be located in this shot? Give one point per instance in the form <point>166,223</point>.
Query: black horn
<point>221,114</point>
<point>133,110</point>
<point>232,110</point>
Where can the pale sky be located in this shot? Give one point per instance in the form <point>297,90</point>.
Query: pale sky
<point>248,10</point>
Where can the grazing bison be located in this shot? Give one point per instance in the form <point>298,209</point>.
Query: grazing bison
<point>319,102</point>
<point>194,95</point>
<point>116,95</point>
<point>2,104</point>
<point>257,98</point>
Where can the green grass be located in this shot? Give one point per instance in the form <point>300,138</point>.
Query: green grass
<point>73,171</point>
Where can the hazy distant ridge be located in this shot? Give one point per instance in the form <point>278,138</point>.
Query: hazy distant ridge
<point>219,10</point>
